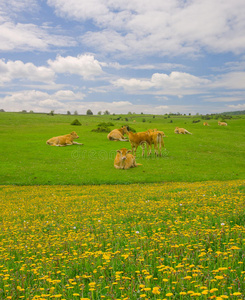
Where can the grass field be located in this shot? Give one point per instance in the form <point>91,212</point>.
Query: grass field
<point>211,153</point>
<point>74,227</point>
<point>147,241</point>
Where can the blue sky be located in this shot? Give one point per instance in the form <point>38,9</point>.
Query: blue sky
<point>149,56</point>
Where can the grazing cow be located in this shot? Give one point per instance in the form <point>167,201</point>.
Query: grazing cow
<point>64,140</point>
<point>181,131</point>
<point>118,134</point>
<point>205,124</point>
<point>222,123</point>
<point>157,140</point>
<point>124,159</point>
<point>139,139</point>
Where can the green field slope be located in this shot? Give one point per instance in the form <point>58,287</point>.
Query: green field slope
<point>210,153</point>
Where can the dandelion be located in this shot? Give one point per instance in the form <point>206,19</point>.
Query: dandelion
<point>169,294</point>
<point>156,291</point>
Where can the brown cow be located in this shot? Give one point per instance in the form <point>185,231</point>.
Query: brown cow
<point>124,159</point>
<point>157,140</point>
<point>205,124</point>
<point>222,123</point>
<point>118,134</point>
<point>139,139</point>
<point>64,140</point>
<point>181,131</point>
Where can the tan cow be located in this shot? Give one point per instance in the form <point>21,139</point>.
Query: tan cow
<point>64,140</point>
<point>222,123</point>
<point>139,139</point>
<point>118,134</point>
<point>205,124</point>
<point>124,159</point>
<point>181,131</point>
<point>157,140</point>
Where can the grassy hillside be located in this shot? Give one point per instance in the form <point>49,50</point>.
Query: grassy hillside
<point>211,153</point>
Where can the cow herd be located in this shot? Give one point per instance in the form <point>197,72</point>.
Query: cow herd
<point>125,158</point>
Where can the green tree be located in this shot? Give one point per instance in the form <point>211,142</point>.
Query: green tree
<point>89,112</point>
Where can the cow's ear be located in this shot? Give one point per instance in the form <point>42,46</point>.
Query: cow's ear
<point>118,151</point>
<point>129,151</point>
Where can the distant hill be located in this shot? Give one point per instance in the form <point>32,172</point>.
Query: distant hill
<point>233,113</point>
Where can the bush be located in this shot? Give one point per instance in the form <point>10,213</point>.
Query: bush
<point>101,129</point>
<point>104,124</point>
<point>76,122</point>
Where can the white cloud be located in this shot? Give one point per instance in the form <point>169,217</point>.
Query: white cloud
<point>232,80</point>
<point>84,65</point>
<point>133,85</point>
<point>68,95</point>
<point>160,27</point>
<point>28,37</point>
<point>40,101</point>
<point>236,107</point>
<point>177,83</point>
<point>224,99</point>
<point>18,70</point>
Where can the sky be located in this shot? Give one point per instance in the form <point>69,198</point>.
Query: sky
<point>138,56</point>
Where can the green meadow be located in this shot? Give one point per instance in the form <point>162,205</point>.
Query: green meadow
<point>210,153</point>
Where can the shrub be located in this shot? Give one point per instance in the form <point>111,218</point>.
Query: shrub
<point>76,122</point>
<point>104,124</point>
<point>101,129</point>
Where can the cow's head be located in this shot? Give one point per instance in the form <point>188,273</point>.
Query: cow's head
<point>123,153</point>
<point>74,135</point>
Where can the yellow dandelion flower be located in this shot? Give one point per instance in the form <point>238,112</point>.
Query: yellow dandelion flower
<point>236,294</point>
<point>205,292</point>
<point>169,294</point>
<point>219,277</point>
<point>156,291</point>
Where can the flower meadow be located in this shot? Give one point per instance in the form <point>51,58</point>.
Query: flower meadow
<point>148,241</point>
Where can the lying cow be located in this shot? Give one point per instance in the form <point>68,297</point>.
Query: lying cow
<point>222,123</point>
<point>181,131</point>
<point>205,124</point>
<point>118,134</point>
<point>64,140</point>
<point>124,159</point>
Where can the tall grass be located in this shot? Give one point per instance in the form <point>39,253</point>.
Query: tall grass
<point>155,241</point>
<point>211,153</point>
